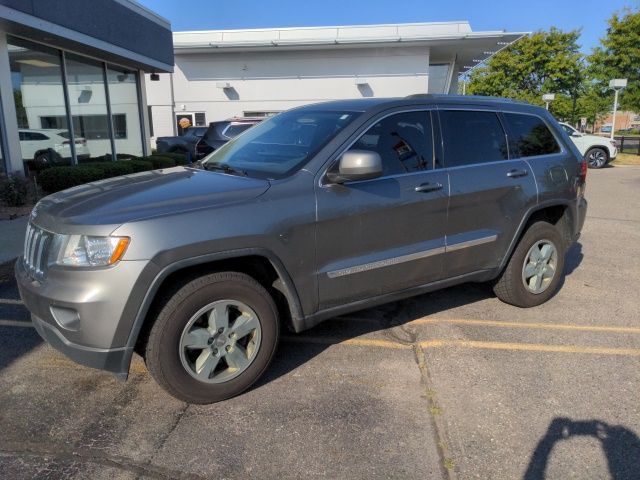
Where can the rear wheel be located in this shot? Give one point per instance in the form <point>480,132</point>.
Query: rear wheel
<point>536,268</point>
<point>213,338</point>
<point>597,157</point>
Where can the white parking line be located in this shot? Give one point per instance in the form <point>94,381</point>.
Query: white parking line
<point>10,301</point>
<point>15,323</point>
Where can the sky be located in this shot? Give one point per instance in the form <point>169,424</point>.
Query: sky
<point>510,15</point>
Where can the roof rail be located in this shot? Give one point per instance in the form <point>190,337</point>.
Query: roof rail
<point>467,97</point>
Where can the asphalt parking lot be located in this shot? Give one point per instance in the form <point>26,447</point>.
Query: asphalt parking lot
<point>453,384</point>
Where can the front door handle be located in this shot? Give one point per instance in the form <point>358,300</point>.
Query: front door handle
<point>517,173</point>
<point>428,187</point>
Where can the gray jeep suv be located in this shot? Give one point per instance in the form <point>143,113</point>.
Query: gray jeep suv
<point>318,211</point>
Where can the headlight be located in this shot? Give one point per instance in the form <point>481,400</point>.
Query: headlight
<point>89,251</point>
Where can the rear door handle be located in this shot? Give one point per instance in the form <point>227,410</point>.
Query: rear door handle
<point>428,187</point>
<point>517,173</point>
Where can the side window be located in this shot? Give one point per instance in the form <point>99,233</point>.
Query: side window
<point>22,135</point>
<point>404,141</point>
<point>38,136</point>
<point>472,137</point>
<point>529,136</point>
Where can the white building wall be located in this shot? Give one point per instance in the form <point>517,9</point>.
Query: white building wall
<point>279,80</point>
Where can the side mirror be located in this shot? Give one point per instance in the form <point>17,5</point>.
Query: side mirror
<point>357,165</point>
<point>576,134</point>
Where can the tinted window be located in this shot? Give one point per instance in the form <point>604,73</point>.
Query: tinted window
<point>529,136</point>
<point>280,145</point>
<point>404,141</point>
<point>472,137</point>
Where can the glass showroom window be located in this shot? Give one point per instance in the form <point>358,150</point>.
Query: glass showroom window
<point>3,167</point>
<point>88,105</point>
<point>123,97</point>
<point>36,75</point>
<point>438,77</point>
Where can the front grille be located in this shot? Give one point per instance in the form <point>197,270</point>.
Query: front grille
<point>37,243</point>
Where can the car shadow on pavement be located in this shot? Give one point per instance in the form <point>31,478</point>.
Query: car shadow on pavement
<point>621,447</point>
<point>16,342</point>
<point>293,353</point>
<point>573,258</point>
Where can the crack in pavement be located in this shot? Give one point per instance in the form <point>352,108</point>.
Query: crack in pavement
<point>83,455</point>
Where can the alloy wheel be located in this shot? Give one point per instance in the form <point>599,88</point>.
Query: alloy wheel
<point>539,267</point>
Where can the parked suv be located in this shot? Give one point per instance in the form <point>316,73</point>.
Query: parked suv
<point>316,212</point>
<point>220,133</point>
<point>182,143</point>
<point>598,151</point>
<point>50,146</point>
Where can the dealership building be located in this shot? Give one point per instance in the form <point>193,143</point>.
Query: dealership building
<point>234,73</point>
<point>72,81</point>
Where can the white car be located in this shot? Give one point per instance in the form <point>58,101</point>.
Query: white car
<point>597,151</point>
<point>49,145</point>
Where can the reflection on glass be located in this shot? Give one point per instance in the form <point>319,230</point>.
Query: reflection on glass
<point>438,76</point>
<point>123,94</point>
<point>3,167</point>
<point>36,77</point>
<point>87,99</point>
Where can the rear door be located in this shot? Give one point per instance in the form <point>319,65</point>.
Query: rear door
<point>489,191</point>
<point>385,234</point>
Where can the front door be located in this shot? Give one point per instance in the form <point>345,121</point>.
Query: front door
<point>386,234</point>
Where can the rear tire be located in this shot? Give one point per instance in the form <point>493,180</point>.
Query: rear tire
<point>535,271</point>
<point>213,338</point>
<point>596,157</point>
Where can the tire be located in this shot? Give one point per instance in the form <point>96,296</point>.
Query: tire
<point>596,157</point>
<point>184,334</point>
<point>515,285</point>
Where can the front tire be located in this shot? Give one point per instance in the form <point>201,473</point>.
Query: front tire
<point>596,157</point>
<point>535,271</point>
<point>213,338</point>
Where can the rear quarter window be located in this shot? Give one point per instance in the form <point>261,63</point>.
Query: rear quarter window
<point>529,136</point>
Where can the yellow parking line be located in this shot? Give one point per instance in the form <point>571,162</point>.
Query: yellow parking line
<point>533,347</point>
<point>534,325</point>
<point>358,342</point>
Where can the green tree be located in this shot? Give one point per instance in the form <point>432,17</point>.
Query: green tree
<point>618,56</point>
<point>544,62</point>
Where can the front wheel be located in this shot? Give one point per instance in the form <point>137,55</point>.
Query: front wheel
<point>536,269</point>
<point>597,157</point>
<point>213,338</point>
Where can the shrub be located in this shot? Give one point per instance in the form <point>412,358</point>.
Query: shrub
<point>160,162</point>
<point>55,179</point>
<point>113,169</point>
<point>180,158</point>
<point>140,165</point>
<point>13,190</point>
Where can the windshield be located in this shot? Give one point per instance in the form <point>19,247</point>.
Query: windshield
<point>280,145</point>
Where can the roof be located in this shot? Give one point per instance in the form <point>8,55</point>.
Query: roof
<point>333,35</point>
<point>366,104</point>
<point>446,40</point>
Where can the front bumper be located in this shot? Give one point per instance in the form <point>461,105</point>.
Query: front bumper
<point>86,314</point>
<point>114,360</point>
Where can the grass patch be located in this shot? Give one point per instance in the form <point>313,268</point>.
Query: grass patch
<point>626,159</point>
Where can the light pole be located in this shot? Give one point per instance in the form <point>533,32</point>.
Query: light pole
<point>617,84</point>
<point>547,98</point>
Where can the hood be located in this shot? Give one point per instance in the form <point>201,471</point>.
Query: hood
<point>139,196</point>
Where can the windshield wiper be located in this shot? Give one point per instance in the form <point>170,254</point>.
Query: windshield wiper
<point>223,167</point>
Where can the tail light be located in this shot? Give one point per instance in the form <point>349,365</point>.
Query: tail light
<point>583,170</point>
<point>77,142</point>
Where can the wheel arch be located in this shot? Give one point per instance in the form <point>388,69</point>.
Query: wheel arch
<point>260,264</point>
<point>557,213</point>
